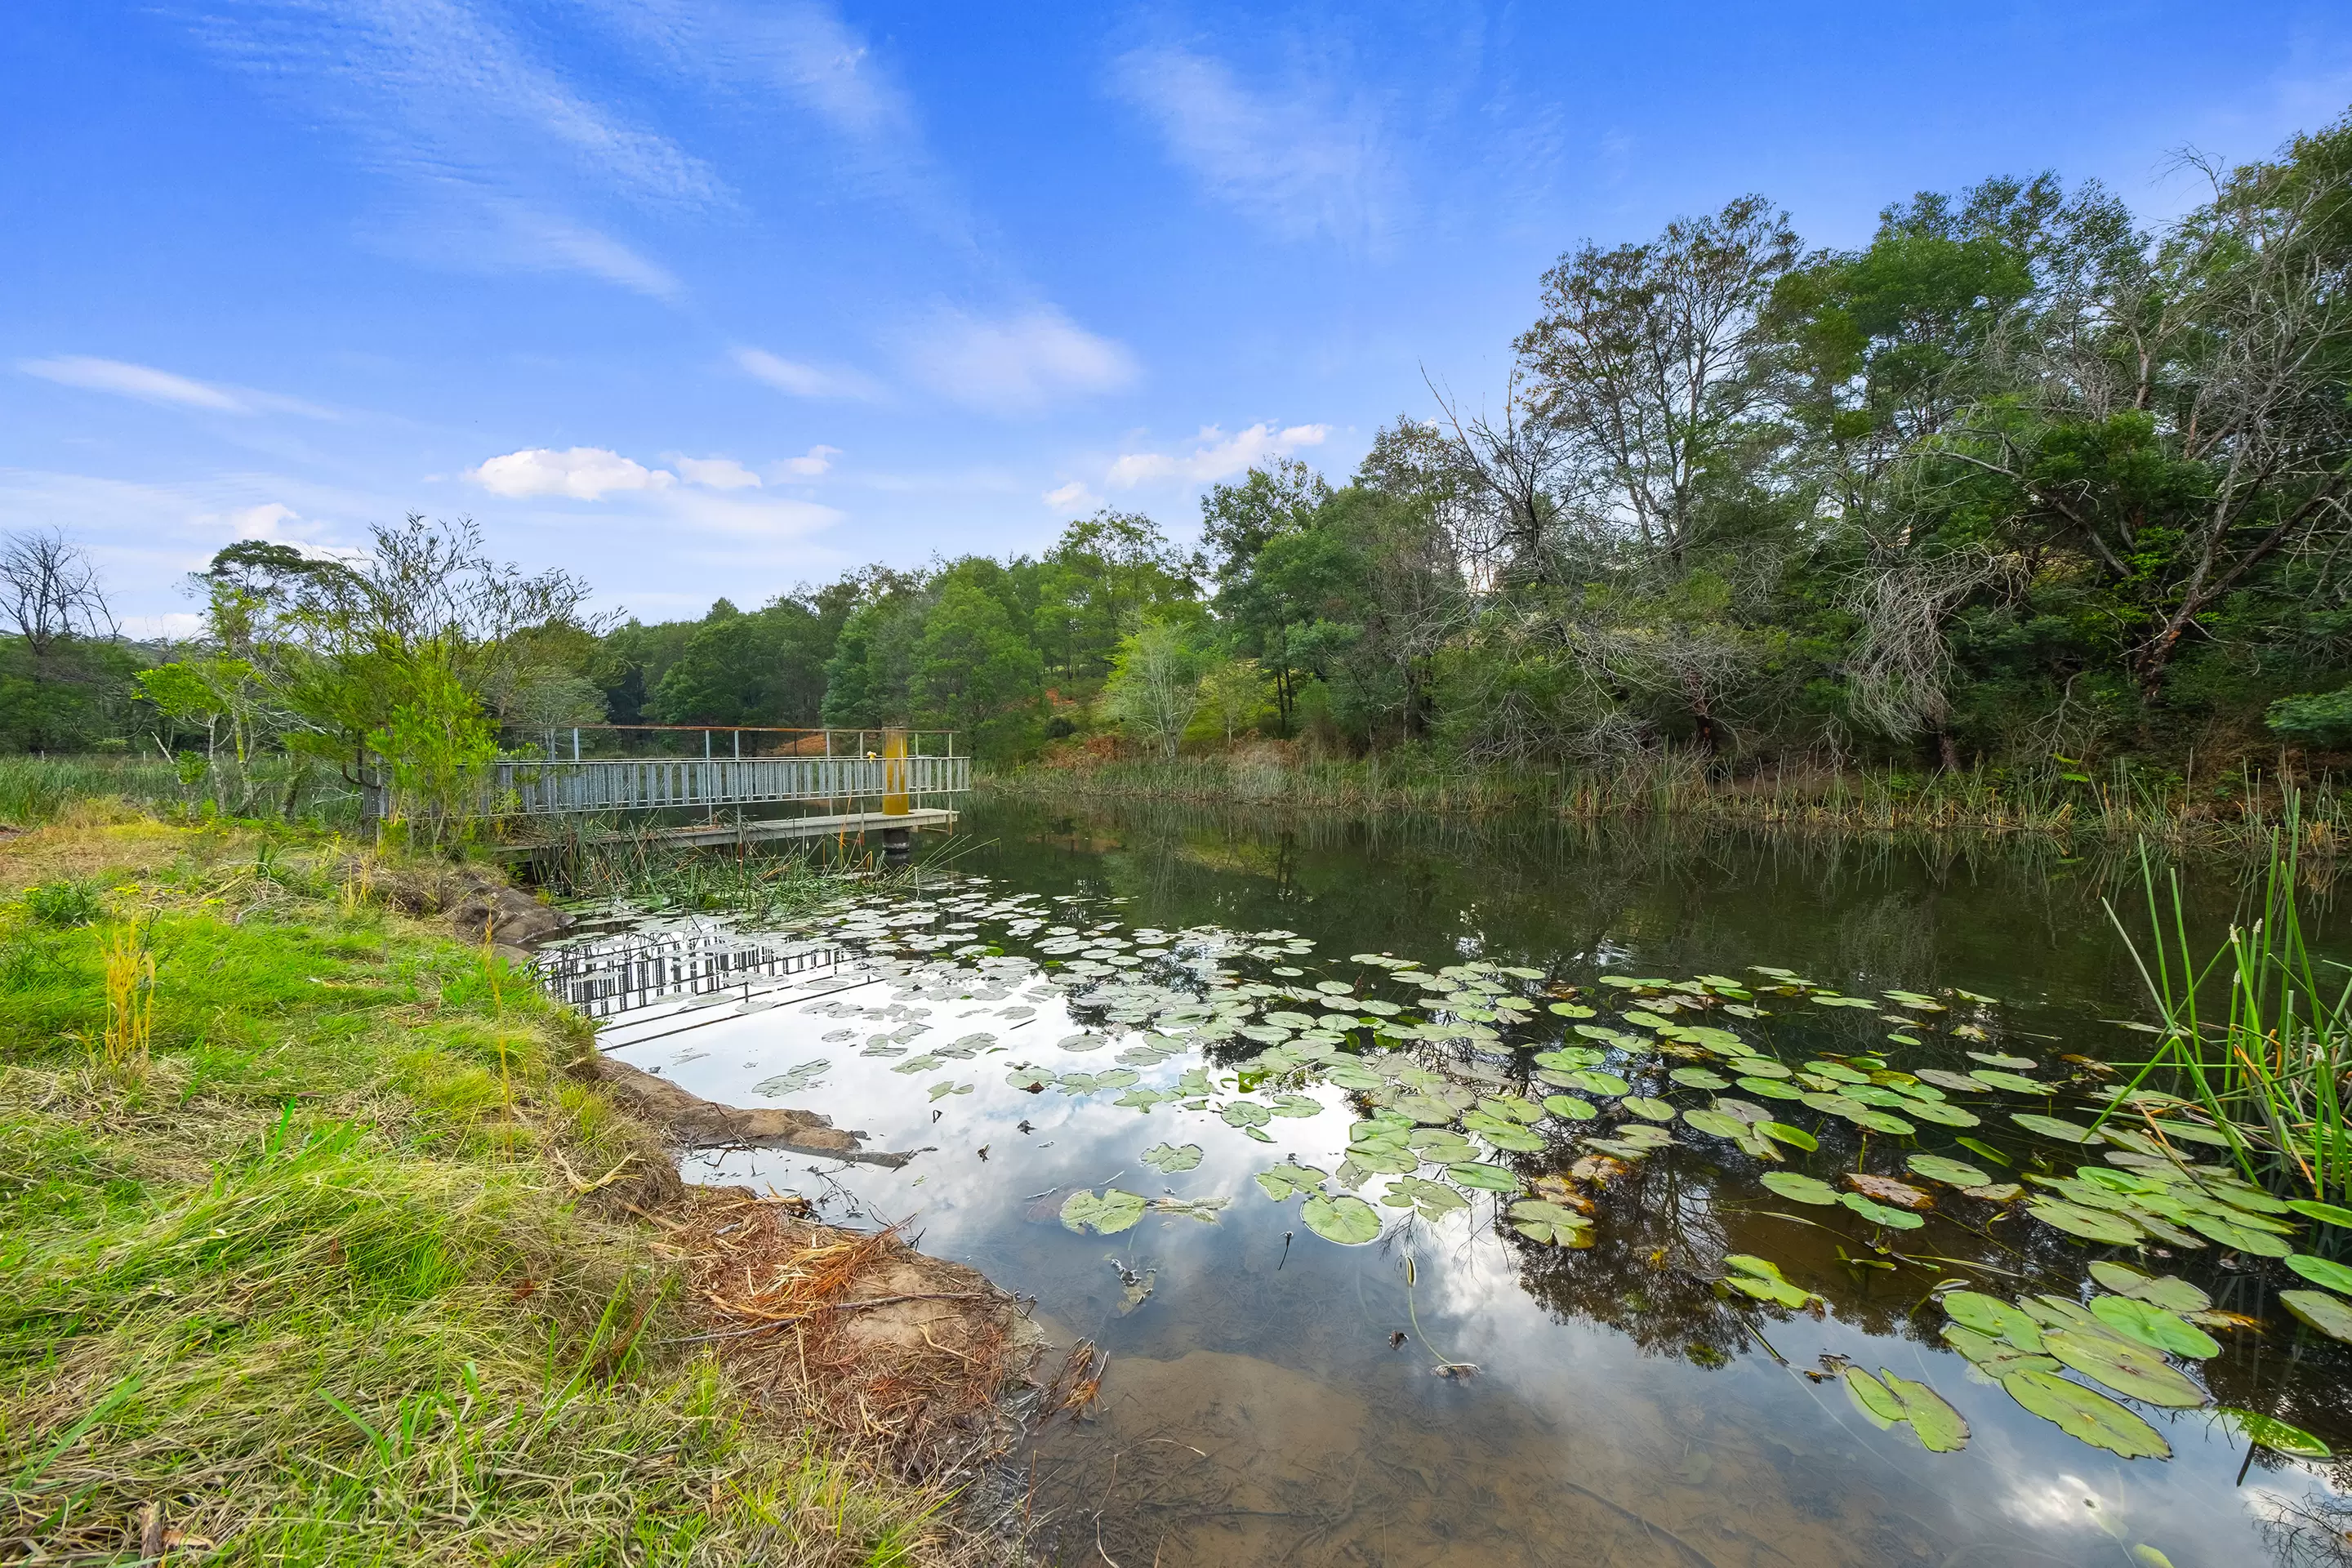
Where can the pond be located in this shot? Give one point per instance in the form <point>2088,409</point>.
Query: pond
<point>1483,1195</point>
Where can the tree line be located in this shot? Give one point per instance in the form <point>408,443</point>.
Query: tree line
<point>2022,479</point>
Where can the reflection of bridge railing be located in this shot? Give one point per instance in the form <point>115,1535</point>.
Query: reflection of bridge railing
<point>533,787</point>
<point>619,974</point>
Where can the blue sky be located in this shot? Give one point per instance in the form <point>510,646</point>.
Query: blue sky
<point>704,297</point>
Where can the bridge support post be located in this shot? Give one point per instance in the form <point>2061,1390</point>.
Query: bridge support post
<point>898,846</point>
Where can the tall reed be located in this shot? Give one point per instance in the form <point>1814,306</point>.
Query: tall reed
<point>129,998</point>
<point>2267,1060</point>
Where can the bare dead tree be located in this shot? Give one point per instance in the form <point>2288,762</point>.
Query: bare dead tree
<point>1509,473</point>
<point>1899,673</point>
<point>49,591</point>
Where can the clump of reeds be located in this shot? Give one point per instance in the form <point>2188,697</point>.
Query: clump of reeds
<point>129,1028</point>
<point>2267,1063</point>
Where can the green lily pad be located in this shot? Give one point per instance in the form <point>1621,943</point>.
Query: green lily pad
<point>2010,1081</point>
<point>1941,1114</point>
<point>1800,1188</point>
<point>2086,1414</point>
<point>2331,1315</point>
<point>1652,1109</point>
<point>1488,1178</point>
<point>2053,1127</point>
<point>1172,1157</point>
<point>2236,1234</point>
<point>1426,1107</point>
<point>1432,1200</point>
<point>1881,1213</point>
<point>1552,1223</point>
<point>1699,1077</point>
<point>1957,1172</point>
<point>1877,1402</point>
<point>1992,1060</point>
<point>1572,1010</point>
<point>1959,1083</point>
<point>2322,1271</point>
<point>2327,1214</point>
<point>2269,1432</point>
<point>1794,1136</point>
<point>1347,1074</point>
<point>2153,1327</point>
<point>1349,1221</point>
<point>1293,1105</point>
<point>2091,1225</point>
<point>1508,1135</point>
<point>1112,1212</point>
<point>2168,1292</point>
<point>1568,1108</point>
<point>1770,1089</point>
<point>2133,1370</point>
<point>1246,1113</point>
<point>1719,1123</point>
<point>1761,1278</point>
<point>1991,1315</point>
<point>1994,1357</point>
<point>1939,1428</point>
<point>1593,1082</point>
<point>1028,1078</point>
<point>1287,1181</point>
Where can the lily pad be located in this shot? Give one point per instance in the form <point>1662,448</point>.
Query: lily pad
<point>1761,1278</point>
<point>1887,1190</point>
<point>1489,1178</point>
<point>1288,1104</point>
<point>1172,1157</point>
<point>1568,1108</point>
<point>2153,1327</point>
<point>2168,1292</point>
<point>1246,1113</point>
<point>1426,1107</point>
<point>2134,1369</point>
<point>2244,1237</point>
<point>1720,1124</point>
<point>2086,1414</point>
<point>1941,1114</point>
<point>1884,1121</point>
<point>2269,1432</point>
<point>1800,1188</point>
<point>1770,1089</point>
<point>1699,1077</point>
<point>1880,1214</point>
<point>1552,1223</point>
<point>1112,1212</point>
<point>1993,1078</point>
<point>2091,1225</point>
<point>1991,1059</point>
<point>946,1086</point>
<point>1955,1173</point>
<point>2322,1271</point>
<point>1876,1402</point>
<point>2327,1214</point>
<point>2331,1315</point>
<point>2053,1127</point>
<point>1991,1315</point>
<point>1794,1136</point>
<point>1648,1107</point>
<point>1349,1221</point>
<point>1432,1200</point>
<point>1287,1181</point>
<point>1349,1075</point>
<point>1028,1077</point>
<point>1939,1428</point>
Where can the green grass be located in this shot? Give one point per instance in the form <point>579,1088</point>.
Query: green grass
<point>310,1275</point>
<point>2124,802</point>
<point>35,790</point>
<point>2259,1033</point>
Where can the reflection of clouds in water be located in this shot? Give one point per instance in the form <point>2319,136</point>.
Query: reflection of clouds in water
<point>2061,1502</point>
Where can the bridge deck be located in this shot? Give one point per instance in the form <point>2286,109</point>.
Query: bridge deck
<point>534,788</point>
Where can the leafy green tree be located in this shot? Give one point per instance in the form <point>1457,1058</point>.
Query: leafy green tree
<point>1154,689</point>
<point>975,671</point>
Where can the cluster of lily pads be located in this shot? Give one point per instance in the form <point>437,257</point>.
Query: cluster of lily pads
<point>1455,1071</point>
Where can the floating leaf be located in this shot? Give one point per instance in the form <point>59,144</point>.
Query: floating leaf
<point>1959,1083</point>
<point>1172,1157</point>
<point>1029,1079</point>
<point>2165,1290</point>
<point>1432,1200</point>
<point>946,1086</point>
<point>1490,1178</point>
<point>2153,1327</point>
<point>2237,1234</point>
<point>1879,1214</point>
<point>1349,1075</point>
<point>1287,1181</point>
<point>1349,1221</point>
<point>1246,1115</point>
<point>1593,1082</point>
<point>2053,1127</point>
<point>1992,1060</point>
<point>2008,1080</point>
<point>2322,1271</point>
<point>1649,1107</point>
<point>1940,1429</point>
<point>1549,1223</point>
<point>1800,1188</point>
<point>1721,1124</point>
<point>800,1077</point>
<point>1426,1107</point>
<point>2131,1369</point>
<point>2269,1432</point>
<point>1991,1315</point>
<point>2331,1315</point>
<point>1770,1089</point>
<point>2327,1214</point>
<point>1876,1402</point>
<point>1994,1357</point>
<point>1887,1190</point>
<point>1761,1278</point>
<point>2091,1225</point>
<point>1568,1108</point>
<point>1113,1212</point>
<point>2086,1414</point>
<point>1290,1104</point>
<point>1699,1077</point>
<point>1883,1121</point>
<point>1572,1010</point>
<point>1794,1136</point>
<point>1941,1114</point>
<point>1957,1172</point>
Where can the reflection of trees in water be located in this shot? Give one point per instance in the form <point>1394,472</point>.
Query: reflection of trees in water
<point>2314,1531</point>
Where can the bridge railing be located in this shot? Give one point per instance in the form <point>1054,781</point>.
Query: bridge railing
<point>536,787</point>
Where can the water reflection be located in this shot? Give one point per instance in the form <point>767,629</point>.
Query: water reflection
<point>1259,1408</point>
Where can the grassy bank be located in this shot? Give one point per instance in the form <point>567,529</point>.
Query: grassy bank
<point>2239,812</point>
<point>310,1251</point>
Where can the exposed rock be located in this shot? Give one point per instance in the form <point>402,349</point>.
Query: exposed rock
<point>693,1123</point>
<point>506,915</point>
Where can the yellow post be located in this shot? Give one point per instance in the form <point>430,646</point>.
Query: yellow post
<point>894,772</point>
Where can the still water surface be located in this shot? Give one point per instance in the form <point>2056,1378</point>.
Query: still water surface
<point>1259,1406</point>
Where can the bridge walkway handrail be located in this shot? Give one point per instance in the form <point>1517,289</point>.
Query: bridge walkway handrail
<point>537,786</point>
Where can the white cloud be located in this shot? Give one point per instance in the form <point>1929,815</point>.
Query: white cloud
<point>1075,496</point>
<point>815,461</point>
<point>804,380</point>
<point>176,626</point>
<point>1291,158</point>
<point>1015,364</point>
<point>582,473</point>
<point>267,521</point>
<point>143,382</point>
<point>713,473</point>
<point>1216,457</point>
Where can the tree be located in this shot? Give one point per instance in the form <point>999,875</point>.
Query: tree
<point>49,592</point>
<point>1155,685</point>
<point>975,671</point>
<point>1234,693</point>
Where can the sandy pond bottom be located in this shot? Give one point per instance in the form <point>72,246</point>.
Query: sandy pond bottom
<point>1258,1405</point>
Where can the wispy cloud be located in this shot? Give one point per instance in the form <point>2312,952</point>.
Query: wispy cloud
<point>491,150</point>
<point>810,464</point>
<point>579,473</point>
<point>714,473</point>
<point>149,385</point>
<point>1075,496</point>
<point>803,379</point>
<point>1296,159</point>
<point>1014,364</point>
<point>1215,456</point>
